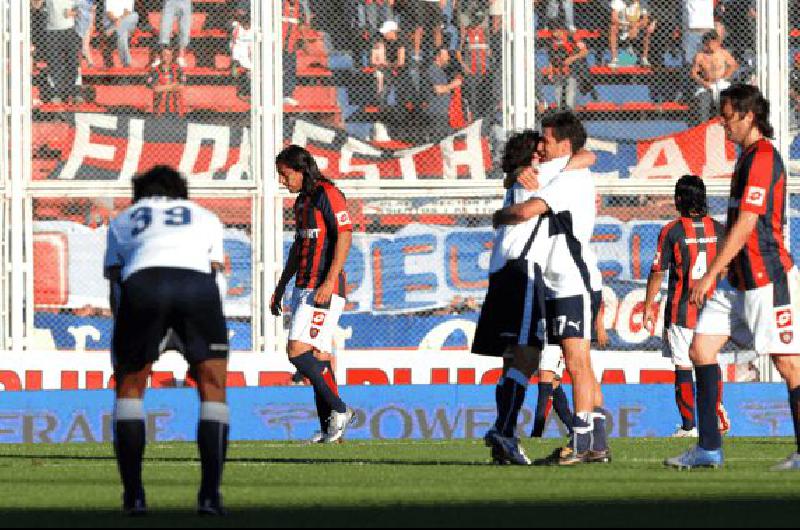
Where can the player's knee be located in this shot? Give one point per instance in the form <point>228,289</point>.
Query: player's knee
<point>789,368</point>
<point>211,381</point>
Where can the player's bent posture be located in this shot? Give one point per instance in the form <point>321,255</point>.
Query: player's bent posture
<point>764,301</point>
<point>571,276</point>
<point>512,317</point>
<point>165,251</point>
<point>323,236</point>
<point>685,248</point>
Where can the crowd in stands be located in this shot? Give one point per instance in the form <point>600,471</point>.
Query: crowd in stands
<point>161,56</point>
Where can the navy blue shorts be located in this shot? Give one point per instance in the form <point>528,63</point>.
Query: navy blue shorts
<point>156,299</point>
<point>572,317</point>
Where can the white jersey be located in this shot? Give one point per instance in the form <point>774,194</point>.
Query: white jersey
<point>510,240</point>
<point>572,265</point>
<point>160,232</point>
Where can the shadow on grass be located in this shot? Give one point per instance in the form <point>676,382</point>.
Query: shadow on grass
<point>717,513</point>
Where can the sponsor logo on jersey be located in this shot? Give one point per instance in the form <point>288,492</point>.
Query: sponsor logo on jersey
<point>343,218</point>
<point>755,195</point>
<point>318,319</point>
<point>783,317</point>
<point>310,233</point>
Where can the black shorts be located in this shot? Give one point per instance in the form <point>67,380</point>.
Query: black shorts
<point>152,301</point>
<point>572,317</point>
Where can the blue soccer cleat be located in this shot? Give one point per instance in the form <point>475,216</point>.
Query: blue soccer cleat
<point>506,450</point>
<point>696,457</point>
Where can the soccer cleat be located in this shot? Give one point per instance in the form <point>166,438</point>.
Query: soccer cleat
<point>792,463</point>
<point>683,433</point>
<point>506,450</point>
<point>498,458</point>
<point>598,457</point>
<point>564,456</point>
<point>134,505</point>
<point>337,424</point>
<point>318,438</point>
<point>723,421</point>
<point>696,457</point>
<point>208,506</point>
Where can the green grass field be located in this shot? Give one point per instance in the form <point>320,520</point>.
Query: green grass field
<point>403,484</point>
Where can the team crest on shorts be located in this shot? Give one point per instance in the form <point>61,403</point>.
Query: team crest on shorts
<point>313,332</point>
<point>783,318</point>
<point>787,337</point>
<point>318,319</point>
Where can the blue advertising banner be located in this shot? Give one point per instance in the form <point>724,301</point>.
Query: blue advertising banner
<point>383,412</point>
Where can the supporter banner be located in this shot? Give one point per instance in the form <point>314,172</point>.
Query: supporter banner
<point>40,370</point>
<point>106,147</point>
<point>420,413</point>
<point>702,150</point>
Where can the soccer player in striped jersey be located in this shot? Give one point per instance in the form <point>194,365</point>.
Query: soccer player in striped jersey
<point>764,300</point>
<point>685,248</point>
<point>324,234</point>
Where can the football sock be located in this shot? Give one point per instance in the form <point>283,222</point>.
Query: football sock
<point>323,409</point>
<point>600,436</point>
<point>794,403</point>
<point>515,384</point>
<point>684,397</point>
<point>313,369</point>
<point>582,427</point>
<point>544,403</point>
<point>561,406</point>
<point>129,443</point>
<point>709,393</point>
<point>212,441</point>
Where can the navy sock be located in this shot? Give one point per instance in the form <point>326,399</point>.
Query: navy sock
<point>709,383</point>
<point>684,398</point>
<point>129,443</point>
<point>599,434</point>
<point>323,409</point>
<point>582,432</point>
<point>212,442</point>
<point>312,369</point>
<point>512,396</point>
<point>794,404</point>
<point>561,406</point>
<point>543,406</point>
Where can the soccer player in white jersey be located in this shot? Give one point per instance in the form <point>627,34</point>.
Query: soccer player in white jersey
<point>512,317</point>
<point>166,252</point>
<point>568,201</point>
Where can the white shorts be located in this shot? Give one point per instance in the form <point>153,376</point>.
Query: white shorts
<point>314,325</point>
<point>768,316</point>
<point>552,360</point>
<point>677,341</point>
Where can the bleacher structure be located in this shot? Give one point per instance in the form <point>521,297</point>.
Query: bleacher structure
<point>421,204</point>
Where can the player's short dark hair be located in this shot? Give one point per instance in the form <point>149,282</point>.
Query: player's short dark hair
<point>748,98</point>
<point>566,125</point>
<point>520,149</point>
<point>710,36</point>
<point>299,159</point>
<point>160,181</point>
<point>690,196</point>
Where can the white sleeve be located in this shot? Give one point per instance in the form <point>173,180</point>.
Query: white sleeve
<point>557,194</point>
<point>112,257</point>
<point>217,249</point>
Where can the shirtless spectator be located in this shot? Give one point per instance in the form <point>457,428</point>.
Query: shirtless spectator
<point>712,69</point>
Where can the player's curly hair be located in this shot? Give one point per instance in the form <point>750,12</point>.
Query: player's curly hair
<point>520,149</point>
<point>160,181</point>
<point>299,159</point>
<point>748,98</point>
<point>690,196</point>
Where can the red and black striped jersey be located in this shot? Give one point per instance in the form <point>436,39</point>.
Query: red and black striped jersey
<point>320,217</point>
<point>759,186</point>
<point>169,102</point>
<point>476,50</point>
<point>686,247</point>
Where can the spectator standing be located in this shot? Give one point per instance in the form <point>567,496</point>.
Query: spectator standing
<point>387,61</point>
<point>698,21</point>
<point>629,25</point>
<point>242,42</point>
<point>61,50</point>
<point>167,80</point>
<point>476,56</point>
<point>712,70</point>
<point>84,26</point>
<point>569,69</point>
<point>120,20</point>
<point>291,40</point>
<point>442,89</point>
<point>182,9</point>
<point>569,12</point>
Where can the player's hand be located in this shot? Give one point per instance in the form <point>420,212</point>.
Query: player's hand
<point>651,317</point>
<point>322,297</point>
<point>529,178</point>
<point>701,289</point>
<point>496,219</point>
<point>276,303</point>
